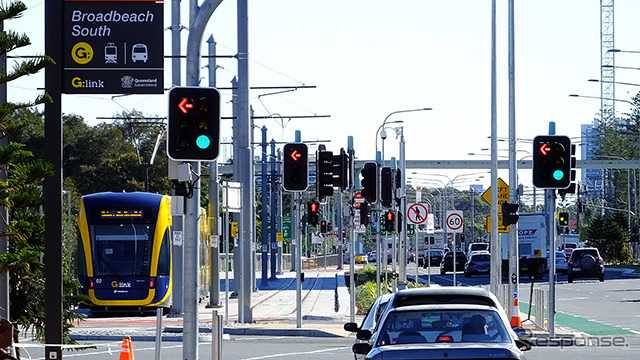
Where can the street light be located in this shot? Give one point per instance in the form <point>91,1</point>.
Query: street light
<point>613,82</point>
<point>599,98</point>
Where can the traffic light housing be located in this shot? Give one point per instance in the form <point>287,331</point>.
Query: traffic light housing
<point>296,167</point>
<point>324,174</point>
<point>563,218</point>
<point>340,170</point>
<point>364,213</point>
<point>193,123</point>
<point>509,213</point>
<point>313,212</point>
<point>369,182</point>
<point>552,162</point>
<point>323,227</point>
<point>390,221</point>
<point>386,187</point>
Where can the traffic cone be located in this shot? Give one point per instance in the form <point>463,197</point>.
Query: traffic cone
<point>127,350</point>
<point>515,312</point>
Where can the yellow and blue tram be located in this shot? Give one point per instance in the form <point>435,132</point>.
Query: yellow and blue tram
<point>125,251</point>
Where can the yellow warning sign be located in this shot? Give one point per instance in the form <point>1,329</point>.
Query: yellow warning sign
<point>503,194</point>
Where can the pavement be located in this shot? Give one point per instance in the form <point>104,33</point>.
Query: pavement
<point>325,310</point>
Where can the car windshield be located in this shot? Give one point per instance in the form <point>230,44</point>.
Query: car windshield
<point>478,247</point>
<point>433,326</point>
<point>483,257</point>
<point>570,246</point>
<point>578,254</point>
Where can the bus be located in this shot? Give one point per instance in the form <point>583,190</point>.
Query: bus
<point>124,252</point>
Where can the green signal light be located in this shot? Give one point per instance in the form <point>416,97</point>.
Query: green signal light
<point>558,174</point>
<point>203,141</point>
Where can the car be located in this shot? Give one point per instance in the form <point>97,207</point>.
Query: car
<point>436,331</point>
<point>361,258</point>
<point>479,263</point>
<point>435,256</point>
<point>371,319</point>
<point>561,262</point>
<point>447,262</point>
<point>372,256</point>
<point>585,263</point>
<point>568,247</point>
<point>477,246</point>
<point>435,295</point>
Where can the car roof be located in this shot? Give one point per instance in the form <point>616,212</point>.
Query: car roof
<point>445,307</point>
<point>585,248</point>
<point>444,295</point>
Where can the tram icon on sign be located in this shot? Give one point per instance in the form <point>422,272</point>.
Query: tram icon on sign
<point>110,53</point>
<point>139,53</point>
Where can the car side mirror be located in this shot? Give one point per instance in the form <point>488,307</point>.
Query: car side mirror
<point>351,327</point>
<point>523,345</point>
<point>363,335</point>
<point>361,348</point>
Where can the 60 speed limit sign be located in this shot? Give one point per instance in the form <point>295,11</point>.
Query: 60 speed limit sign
<point>454,221</point>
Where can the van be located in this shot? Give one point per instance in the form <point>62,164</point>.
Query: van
<point>477,246</point>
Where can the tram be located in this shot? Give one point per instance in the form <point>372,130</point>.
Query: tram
<point>124,252</point>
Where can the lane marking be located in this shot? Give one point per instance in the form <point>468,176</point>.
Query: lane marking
<point>296,353</point>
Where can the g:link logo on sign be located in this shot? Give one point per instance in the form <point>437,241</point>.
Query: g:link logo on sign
<point>76,82</point>
<point>82,53</point>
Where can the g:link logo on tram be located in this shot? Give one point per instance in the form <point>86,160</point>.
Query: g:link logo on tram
<point>82,53</point>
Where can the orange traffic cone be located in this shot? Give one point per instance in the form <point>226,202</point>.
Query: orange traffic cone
<point>515,312</point>
<point>127,349</point>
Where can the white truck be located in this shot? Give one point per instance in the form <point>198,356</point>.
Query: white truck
<point>426,242</point>
<point>532,246</point>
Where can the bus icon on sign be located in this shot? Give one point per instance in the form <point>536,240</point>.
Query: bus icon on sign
<point>139,53</point>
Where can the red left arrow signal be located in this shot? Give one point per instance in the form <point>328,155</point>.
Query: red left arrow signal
<point>295,155</point>
<point>185,105</point>
<point>544,149</point>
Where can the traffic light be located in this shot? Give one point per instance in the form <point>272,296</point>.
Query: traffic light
<point>193,123</point>
<point>323,227</point>
<point>341,170</point>
<point>552,164</point>
<point>296,168</point>
<point>563,218</point>
<point>370,182</point>
<point>389,221</point>
<point>509,215</point>
<point>324,174</point>
<point>572,187</point>
<point>313,214</point>
<point>364,213</point>
<point>386,187</point>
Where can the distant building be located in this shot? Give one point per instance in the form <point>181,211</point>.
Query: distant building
<point>592,179</point>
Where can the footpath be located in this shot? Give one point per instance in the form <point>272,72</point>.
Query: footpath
<point>325,310</point>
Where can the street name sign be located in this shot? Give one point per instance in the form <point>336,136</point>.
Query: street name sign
<point>113,47</point>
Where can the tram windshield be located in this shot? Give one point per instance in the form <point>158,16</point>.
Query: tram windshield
<point>121,249</point>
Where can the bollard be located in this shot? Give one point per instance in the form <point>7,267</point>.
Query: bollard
<point>158,332</point>
<point>216,336</point>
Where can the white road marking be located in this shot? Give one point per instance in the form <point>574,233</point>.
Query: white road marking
<point>296,353</point>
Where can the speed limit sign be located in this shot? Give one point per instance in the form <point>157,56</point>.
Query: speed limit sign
<point>454,221</point>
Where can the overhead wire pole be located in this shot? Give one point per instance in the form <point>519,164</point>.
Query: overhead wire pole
<point>214,198</point>
<point>495,246</point>
<point>513,171</point>
<point>198,19</point>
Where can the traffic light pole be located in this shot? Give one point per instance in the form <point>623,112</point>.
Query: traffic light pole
<point>378,232</point>
<point>550,206</point>
<point>352,237</point>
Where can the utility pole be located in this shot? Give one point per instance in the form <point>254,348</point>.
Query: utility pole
<point>198,18</point>
<point>214,199</point>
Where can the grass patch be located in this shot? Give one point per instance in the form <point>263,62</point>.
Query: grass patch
<point>634,267</point>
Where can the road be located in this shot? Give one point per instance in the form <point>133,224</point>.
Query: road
<point>617,298</point>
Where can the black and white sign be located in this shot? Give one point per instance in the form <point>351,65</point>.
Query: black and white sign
<point>113,47</point>
<point>454,221</point>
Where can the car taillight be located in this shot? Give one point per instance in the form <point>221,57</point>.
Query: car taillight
<point>444,338</point>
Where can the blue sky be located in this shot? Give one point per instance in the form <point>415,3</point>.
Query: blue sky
<point>370,58</point>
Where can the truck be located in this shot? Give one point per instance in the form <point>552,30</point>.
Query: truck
<point>532,246</point>
<point>427,242</point>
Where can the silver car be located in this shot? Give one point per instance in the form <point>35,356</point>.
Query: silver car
<point>453,331</point>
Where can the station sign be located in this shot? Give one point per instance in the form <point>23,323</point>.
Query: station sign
<point>113,47</point>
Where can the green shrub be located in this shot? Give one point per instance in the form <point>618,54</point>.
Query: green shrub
<point>365,297</point>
